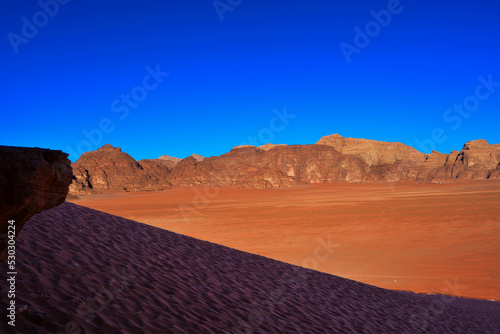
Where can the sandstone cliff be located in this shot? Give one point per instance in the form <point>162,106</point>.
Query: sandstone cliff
<point>110,170</point>
<point>168,160</point>
<point>396,161</point>
<point>332,159</point>
<point>197,157</point>
<point>433,168</point>
<point>476,160</point>
<point>31,180</point>
<point>371,151</point>
<point>280,166</point>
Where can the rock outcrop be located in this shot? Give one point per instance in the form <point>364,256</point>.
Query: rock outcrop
<point>31,180</point>
<point>168,160</point>
<point>433,168</point>
<point>396,161</point>
<point>110,170</point>
<point>265,147</point>
<point>197,157</point>
<point>476,160</point>
<point>332,159</point>
<point>373,152</point>
<point>281,166</point>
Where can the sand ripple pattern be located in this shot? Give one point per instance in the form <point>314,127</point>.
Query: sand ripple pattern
<point>81,269</point>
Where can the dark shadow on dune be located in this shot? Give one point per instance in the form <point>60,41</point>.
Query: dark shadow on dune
<point>83,269</point>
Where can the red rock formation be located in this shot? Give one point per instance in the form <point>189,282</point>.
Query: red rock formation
<point>476,160</point>
<point>371,151</point>
<point>168,160</point>
<point>197,157</point>
<point>332,159</point>
<point>31,180</point>
<point>267,147</point>
<point>433,168</point>
<point>280,166</point>
<point>110,170</point>
<point>396,161</point>
<point>495,173</point>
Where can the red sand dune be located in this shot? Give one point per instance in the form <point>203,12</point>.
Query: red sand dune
<point>83,269</point>
<point>401,236</point>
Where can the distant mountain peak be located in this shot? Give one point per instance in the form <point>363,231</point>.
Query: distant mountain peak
<point>169,158</point>
<point>197,157</point>
<point>107,147</point>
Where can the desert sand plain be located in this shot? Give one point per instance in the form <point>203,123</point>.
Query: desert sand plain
<point>428,238</point>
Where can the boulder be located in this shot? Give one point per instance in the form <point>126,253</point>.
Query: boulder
<point>31,180</point>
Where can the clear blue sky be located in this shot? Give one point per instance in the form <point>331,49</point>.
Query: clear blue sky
<point>83,68</point>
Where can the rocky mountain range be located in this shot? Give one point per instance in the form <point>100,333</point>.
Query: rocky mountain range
<point>332,159</point>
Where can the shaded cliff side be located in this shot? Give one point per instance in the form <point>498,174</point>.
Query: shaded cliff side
<point>31,180</point>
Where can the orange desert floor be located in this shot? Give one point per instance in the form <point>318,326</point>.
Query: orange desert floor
<point>429,238</point>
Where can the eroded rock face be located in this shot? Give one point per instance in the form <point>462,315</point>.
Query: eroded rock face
<point>197,157</point>
<point>495,173</point>
<point>168,160</point>
<point>280,166</point>
<point>335,159</point>
<point>476,160</point>
<point>373,152</point>
<point>110,170</point>
<point>267,147</point>
<point>31,180</point>
<point>433,168</point>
